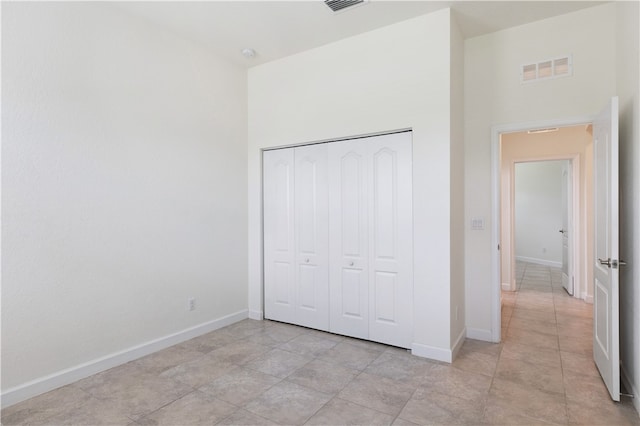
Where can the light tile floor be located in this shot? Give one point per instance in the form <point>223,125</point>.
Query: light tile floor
<point>263,372</point>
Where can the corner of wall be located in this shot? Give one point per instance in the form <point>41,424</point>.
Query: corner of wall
<point>457,196</point>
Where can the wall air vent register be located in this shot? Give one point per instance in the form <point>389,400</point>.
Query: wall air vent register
<point>547,69</point>
<point>340,5</point>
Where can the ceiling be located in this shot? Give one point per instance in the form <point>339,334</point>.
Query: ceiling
<point>275,29</point>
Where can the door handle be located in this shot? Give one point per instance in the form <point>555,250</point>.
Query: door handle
<point>562,231</point>
<point>616,263</point>
<point>605,262</point>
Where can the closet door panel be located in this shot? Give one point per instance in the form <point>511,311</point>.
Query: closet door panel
<point>311,230</point>
<point>338,237</point>
<point>349,283</point>
<point>391,248</point>
<point>279,254</point>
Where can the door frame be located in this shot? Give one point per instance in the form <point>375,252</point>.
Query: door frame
<point>574,214</point>
<point>570,203</point>
<point>496,163</point>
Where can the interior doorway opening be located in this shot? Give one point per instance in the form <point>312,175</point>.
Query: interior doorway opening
<point>543,224</point>
<point>598,247</point>
<point>570,141</point>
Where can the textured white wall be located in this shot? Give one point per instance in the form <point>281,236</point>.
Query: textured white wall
<point>538,210</point>
<point>123,186</point>
<point>395,77</point>
<point>628,67</point>
<point>494,95</point>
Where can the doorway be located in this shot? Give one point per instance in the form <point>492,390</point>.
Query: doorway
<point>558,140</point>
<point>543,226</point>
<point>598,244</point>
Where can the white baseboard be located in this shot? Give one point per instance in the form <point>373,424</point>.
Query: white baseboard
<point>506,287</point>
<point>64,377</point>
<point>628,383</point>
<point>431,352</point>
<point>588,299</point>
<point>256,315</point>
<point>458,344</point>
<point>479,334</point>
<point>539,261</point>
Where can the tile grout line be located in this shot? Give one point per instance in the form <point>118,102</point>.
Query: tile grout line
<point>397,416</point>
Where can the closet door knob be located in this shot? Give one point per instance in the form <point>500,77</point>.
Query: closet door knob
<point>306,260</point>
<point>351,263</point>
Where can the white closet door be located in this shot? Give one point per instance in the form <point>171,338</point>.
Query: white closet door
<point>349,251</point>
<point>311,233</point>
<point>279,252</point>
<point>391,239</point>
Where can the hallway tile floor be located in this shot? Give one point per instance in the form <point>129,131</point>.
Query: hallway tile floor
<point>264,372</point>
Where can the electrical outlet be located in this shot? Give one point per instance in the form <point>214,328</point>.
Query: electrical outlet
<point>192,304</point>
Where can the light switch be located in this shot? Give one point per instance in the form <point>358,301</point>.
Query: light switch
<point>477,223</point>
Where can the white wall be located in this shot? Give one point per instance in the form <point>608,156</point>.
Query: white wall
<point>457,185</point>
<point>494,95</point>
<point>123,187</point>
<point>628,39</point>
<point>395,77</point>
<point>538,211</point>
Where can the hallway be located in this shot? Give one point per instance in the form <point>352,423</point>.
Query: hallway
<point>547,350</point>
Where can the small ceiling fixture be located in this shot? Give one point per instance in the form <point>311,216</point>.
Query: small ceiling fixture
<point>340,5</point>
<point>547,130</point>
<point>248,53</point>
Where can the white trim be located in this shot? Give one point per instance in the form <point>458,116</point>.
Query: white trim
<point>630,386</point>
<point>458,344</point>
<point>69,375</point>
<point>544,262</point>
<point>479,334</point>
<point>256,315</point>
<point>431,352</point>
<point>507,287</point>
<point>588,299</point>
<point>496,317</point>
<point>496,131</point>
<point>340,139</point>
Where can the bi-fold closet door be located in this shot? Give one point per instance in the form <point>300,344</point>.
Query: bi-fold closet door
<point>338,237</point>
<point>296,227</point>
<point>371,238</point>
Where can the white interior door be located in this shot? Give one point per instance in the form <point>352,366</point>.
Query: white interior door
<point>349,242</point>
<point>279,251</point>
<point>606,262</point>
<point>391,239</point>
<point>567,202</point>
<point>311,234</point>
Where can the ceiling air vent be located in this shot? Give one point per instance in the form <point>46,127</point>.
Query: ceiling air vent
<point>340,5</point>
<point>547,69</point>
